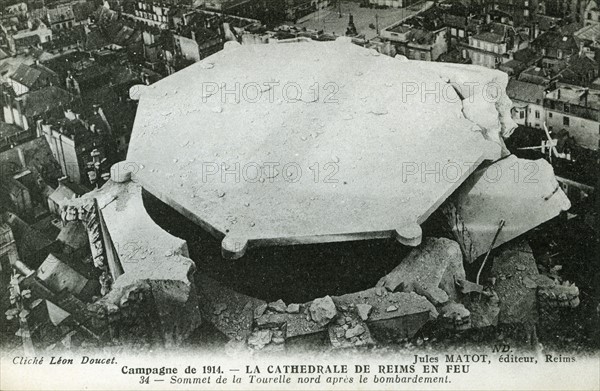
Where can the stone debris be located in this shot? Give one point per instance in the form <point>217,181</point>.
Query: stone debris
<point>364,310</point>
<point>354,331</point>
<point>455,316</point>
<point>277,306</point>
<point>293,308</point>
<point>260,338</point>
<point>429,270</point>
<point>466,287</point>
<point>271,320</point>
<point>484,309</point>
<point>349,331</point>
<point>230,312</point>
<point>391,308</point>
<point>412,312</point>
<point>260,310</point>
<point>323,310</point>
<point>559,295</point>
<point>278,337</point>
<point>551,292</point>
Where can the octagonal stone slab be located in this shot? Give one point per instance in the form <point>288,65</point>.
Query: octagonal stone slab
<point>303,143</point>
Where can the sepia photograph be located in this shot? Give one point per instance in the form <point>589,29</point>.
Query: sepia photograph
<point>299,194</point>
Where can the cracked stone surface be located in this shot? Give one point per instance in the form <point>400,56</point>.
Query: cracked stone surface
<point>231,312</point>
<point>484,309</point>
<point>429,270</point>
<point>525,193</point>
<point>518,303</point>
<point>411,312</point>
<point>484,98</point>
<point>149,255</point>
<point>219,179</point>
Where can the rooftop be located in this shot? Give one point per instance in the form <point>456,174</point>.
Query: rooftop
<point>45,99</point>
<point>526,56</point>
<point>354,139</point>
<point>489,36</point>
<point>556,40</point>
<point>525,92</point>
<point>576,96</point>
<point>60,14</point>
<point>589,33</point>
<point>29,75</point>
<point>38,156</point>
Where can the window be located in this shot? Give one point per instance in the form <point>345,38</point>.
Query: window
<point>522,114</point>
<point>550,115</point>
<point>422,56</point>
<point>453,31</point>
<point>537,114</point>
<point>461,33</point>
<point>566,121</point>
<point>589,16</point>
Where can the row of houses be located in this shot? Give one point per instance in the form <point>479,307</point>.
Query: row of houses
<point>23,26</point>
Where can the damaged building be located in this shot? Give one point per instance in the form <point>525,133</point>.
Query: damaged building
<point>343,209</point>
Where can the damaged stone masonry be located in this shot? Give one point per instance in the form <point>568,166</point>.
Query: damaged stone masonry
<point>151,288</point>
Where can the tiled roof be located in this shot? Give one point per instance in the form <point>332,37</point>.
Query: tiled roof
<point>589,33</point>
<point>43,100</point>
<point>525,92</point>
<point>28,75</point>
<point>556,40</point>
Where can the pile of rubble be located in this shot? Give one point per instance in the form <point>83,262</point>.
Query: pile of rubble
<point>429,285</point>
